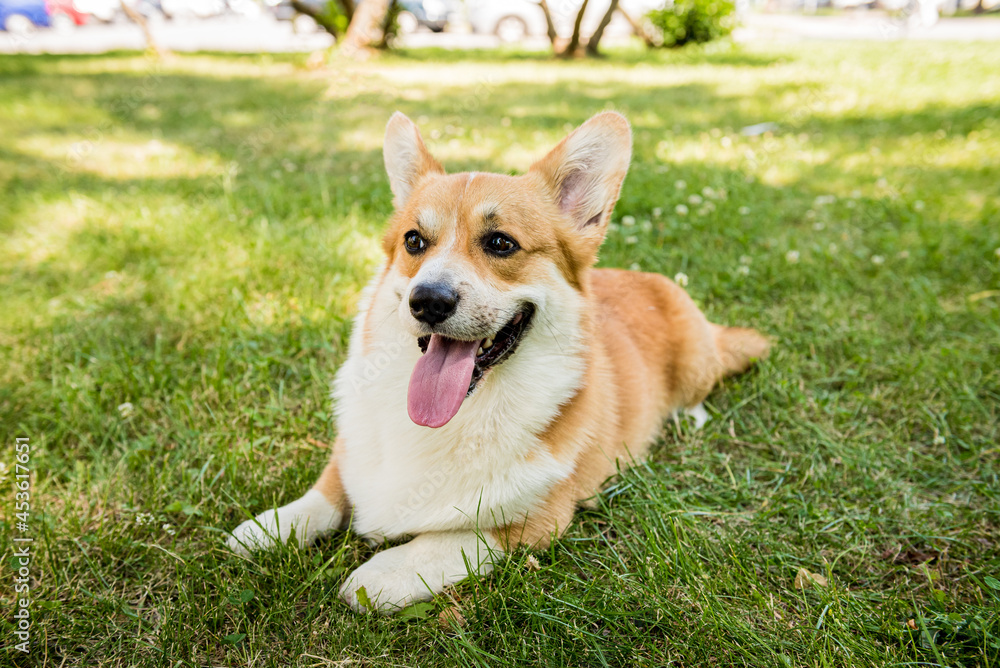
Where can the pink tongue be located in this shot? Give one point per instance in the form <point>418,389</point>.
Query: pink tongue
<point>441,380</point>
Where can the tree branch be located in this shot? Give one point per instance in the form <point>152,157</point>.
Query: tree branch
<point>595,39</point>
<point>637,28</point>
<point>574,41</point>
<point>319,16</point>
<point>550,26</point>
<point>143,24</point>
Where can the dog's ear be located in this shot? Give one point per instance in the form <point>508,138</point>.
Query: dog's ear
<point>585,171</point>
<point>407,160</point>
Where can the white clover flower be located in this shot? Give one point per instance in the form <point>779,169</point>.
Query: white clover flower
<point>680,184</point>
<point>792,256</point>
<point>904,254</point>
<point>824,199</point>
<point>744,210</point>
<point>632,239</point>
<point>878,259</point>
<point>657,212</point>
<point>819,226</point>
<point>628,221</point>
<point>613,227</point>
<point>681,279</point>
<point>810,214</point>
<point>646,226</point>
<point>708,207</point>
<point>635,266</point>
<point>168,529</point>
<point>126,410</point>
<point>681,210</point>
<point>745,259</point>
<point>695,199</point>
<point>708,192</point>
<point>996,251</point>
<point>851,204</point>
<point>918,205</point>
<point>856,194</point>
<point>743,270</point>
<point>832,248</point>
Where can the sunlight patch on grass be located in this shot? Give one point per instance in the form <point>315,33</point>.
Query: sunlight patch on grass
<point>120,158</point>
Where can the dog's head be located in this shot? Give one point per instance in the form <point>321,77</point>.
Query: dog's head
<point>476,256</point>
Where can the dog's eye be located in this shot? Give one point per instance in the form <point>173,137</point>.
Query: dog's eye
<point>414,242</point>
<point>499,243</point>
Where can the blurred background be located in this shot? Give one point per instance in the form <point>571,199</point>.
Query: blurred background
<point>93,26</point>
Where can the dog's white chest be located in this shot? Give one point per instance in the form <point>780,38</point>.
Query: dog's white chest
<point>485,468</point>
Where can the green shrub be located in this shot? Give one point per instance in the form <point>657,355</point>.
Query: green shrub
<point>692,21</point>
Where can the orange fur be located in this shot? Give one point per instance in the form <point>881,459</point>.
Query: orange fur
<point>652,352</point>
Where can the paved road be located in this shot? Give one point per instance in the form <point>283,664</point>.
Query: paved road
<point>268,35</point>
<point>227,33</point>
<point>864,25</point>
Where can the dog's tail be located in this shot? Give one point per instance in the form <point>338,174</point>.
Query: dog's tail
<point>739,348</point>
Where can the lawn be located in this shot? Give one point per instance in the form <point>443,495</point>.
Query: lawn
<point>183,246</point>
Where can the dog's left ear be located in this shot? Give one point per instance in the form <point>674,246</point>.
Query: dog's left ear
<point>407,160</point>
<point>585,171</point>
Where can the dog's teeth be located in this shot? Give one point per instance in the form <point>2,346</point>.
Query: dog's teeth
<point>480,350</point>
<point>488,343</point>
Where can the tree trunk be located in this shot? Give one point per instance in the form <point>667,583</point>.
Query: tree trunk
<point>140,21</point>
<point>365,29</point>
<point>595,39</point>
<point>389,25</point>
<point>550,26</point>
<point>574,41</point>
<point>637,28</point>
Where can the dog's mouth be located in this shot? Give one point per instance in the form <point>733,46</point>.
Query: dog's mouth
<point>450,369</point>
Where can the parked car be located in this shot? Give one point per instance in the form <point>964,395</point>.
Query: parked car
<point>64,14</point>
<point>430,14</point>
<point>193,8</point>
<point>513,20</point>
<point>102,10</point>
<point>22,16</point>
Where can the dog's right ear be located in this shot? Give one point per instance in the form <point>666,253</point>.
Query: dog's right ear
<point>585,173</point>
<point>407,160</point>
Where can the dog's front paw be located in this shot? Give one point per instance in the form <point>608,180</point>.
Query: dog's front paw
<point>305,518</point>
<point>262,532</point>
<point>418,570</point>
<point>388,585</point>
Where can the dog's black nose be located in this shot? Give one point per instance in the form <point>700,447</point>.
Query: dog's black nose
<point>433,303</point>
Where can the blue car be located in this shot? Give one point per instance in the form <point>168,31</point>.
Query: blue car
<point>19,16</point>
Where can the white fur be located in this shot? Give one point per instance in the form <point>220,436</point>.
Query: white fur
<point>308,517</point>
<point>487,466</point>
<point>699,415</point>
<point>418,570</point>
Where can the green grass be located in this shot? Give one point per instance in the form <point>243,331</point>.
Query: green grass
<point>192,238</point>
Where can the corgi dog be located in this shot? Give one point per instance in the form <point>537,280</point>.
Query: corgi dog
<point>495,379</point>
